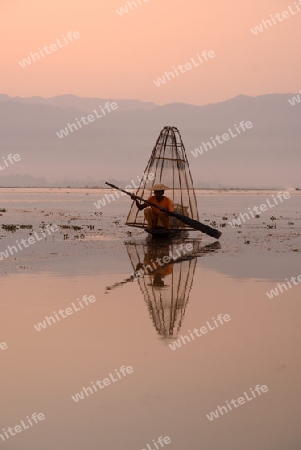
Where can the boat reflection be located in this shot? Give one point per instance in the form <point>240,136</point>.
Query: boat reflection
<point>165,275</point>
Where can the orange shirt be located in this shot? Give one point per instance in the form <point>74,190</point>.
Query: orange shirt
<point>165,203</point>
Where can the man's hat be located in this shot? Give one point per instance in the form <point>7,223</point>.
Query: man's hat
<point>159,187</point>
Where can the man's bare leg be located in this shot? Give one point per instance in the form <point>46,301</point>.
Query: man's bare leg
<point>163,220</point>
<point>149,216</point>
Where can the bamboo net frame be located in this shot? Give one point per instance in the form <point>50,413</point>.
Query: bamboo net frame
<point>168,165</point>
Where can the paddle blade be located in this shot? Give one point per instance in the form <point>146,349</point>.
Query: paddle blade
<point>197,225</point>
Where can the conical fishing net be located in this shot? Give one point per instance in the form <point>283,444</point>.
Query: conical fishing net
<point>168,165</point>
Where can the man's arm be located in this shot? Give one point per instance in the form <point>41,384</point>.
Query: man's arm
<point>139,205</point>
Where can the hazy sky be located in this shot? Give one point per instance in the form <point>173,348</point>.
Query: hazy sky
<point>120,56</point>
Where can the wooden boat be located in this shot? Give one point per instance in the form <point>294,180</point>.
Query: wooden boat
<point>167,165</point>
<point>165,232</point>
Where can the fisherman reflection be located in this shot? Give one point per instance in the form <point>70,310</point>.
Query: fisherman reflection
<point>158,280</point>
<point>165,276</point>
<point>154,265</point>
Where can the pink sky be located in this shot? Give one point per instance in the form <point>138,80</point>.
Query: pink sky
<point>119,57</point>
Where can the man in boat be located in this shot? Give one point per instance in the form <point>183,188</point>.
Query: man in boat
<point>154,217</point>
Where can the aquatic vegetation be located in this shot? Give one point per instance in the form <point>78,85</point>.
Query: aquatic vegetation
<point>272,225</point>
<point>44,225</point>
<point>12,228</point>
<point>2,210</point>
<point>26,227</point>
<point>71,227</point>
<point>257,216</point>
<point>76,228</point>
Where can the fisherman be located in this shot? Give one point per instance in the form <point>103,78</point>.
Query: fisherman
<point>154,217</point>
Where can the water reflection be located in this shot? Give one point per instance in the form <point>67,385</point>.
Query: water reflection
<point>166,286</point>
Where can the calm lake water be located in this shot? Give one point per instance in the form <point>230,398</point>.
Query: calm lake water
<point>136,322</point>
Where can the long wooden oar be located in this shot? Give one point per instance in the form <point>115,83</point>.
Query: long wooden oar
<point>187,220</point>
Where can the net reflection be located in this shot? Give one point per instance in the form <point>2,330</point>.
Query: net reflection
<point>166,287</point>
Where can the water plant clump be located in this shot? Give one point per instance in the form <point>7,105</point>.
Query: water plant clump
<point>12,228</point>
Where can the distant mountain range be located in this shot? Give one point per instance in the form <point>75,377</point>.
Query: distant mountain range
<point>118,145</point>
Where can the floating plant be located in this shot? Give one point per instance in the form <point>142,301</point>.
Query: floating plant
<point>11,228</point>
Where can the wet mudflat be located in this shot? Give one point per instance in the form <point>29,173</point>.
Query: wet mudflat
<point>179,376</point>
